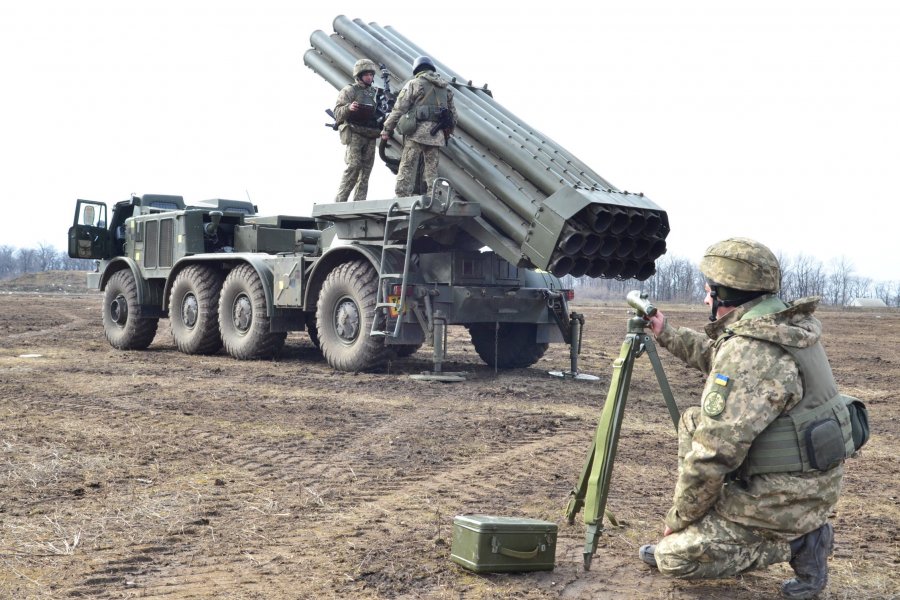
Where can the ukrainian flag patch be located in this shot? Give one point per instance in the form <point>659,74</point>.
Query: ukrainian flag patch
<point>722,380</point>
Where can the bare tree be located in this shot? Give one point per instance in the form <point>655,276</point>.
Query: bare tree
<point>839,282</point>
<point>45,257</point>
<point>25,260</point>
<point>7,262</point>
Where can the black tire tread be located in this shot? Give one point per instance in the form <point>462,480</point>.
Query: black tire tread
<point>259,342</point>
<point>138,333</point>
<point>207,284</point>
<point>360,279</point>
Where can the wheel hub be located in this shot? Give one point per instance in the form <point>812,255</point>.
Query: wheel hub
<point>118,310</point>
<point>346,320</point>
<point>242,313</point>
<point>190,309</point>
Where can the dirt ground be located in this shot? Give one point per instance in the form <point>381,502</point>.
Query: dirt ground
<point>160,475</point>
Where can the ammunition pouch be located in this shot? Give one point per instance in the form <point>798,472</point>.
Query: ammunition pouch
<point>344,133</point>
<point>817,439</point>
<point>407,123</point>
<point>367,132</point>
<point>824,445</point>
<point>428,113</point>
<point>859,421</point>
<point>347,129</point>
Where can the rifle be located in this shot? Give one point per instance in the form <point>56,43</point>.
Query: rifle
<point>333,125</point>
<point>445,123</point>
<point>386,98</point>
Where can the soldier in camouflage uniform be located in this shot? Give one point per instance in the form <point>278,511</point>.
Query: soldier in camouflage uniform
<point>426,98</point>
<point>355,114</point>
<point>734,509</point>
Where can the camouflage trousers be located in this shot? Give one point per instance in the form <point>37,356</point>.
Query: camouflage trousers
<point>715,547</point>
<point>360,156</point>
<point>409,167</point>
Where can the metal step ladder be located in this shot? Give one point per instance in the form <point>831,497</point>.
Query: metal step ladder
<point>396,219</point>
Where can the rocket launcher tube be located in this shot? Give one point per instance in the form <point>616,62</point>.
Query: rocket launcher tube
<point>529,166</point>
<point>492,104</point>
<point>528,187</point>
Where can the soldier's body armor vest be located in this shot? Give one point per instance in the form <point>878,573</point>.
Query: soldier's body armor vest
<point>432,103</point>
<point>365,120</point>
<point>815,434</point>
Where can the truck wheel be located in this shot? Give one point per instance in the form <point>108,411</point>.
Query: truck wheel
<point>312,330</point>
<point>123,328</point>
<point>194,310</point>
<point>344,318</point>
<point>243,317</point>
<point>514,343</point>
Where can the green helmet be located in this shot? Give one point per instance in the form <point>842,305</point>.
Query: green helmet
<point>364,65</point>
<point>742,264</point>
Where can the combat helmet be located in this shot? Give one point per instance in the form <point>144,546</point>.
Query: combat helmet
<point>364,65</point>
<point>739,270</point>
<point>422,63</point>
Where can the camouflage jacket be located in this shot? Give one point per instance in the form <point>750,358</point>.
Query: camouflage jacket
<point>414,91</point>
<point>747,365</point>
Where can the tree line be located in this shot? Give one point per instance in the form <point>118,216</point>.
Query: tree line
<point>43,257</point>
<point>676,280</point>
<point>679,280</point>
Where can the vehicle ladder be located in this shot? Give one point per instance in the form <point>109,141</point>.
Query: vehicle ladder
<point>396,220</point>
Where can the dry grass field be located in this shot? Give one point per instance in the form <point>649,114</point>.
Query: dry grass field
<point>160,475</point>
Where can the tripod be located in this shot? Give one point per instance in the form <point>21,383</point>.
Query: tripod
<point>593,486</point>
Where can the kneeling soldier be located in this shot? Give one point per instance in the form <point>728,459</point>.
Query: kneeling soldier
<point>746,495</point>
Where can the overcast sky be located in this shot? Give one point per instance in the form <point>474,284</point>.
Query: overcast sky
<point>777,120</point>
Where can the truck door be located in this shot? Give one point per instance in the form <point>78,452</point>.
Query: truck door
<point>88,236</point>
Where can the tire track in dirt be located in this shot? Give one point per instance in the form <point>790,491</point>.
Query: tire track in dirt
<point>73,322</point>
<point>311,463</point>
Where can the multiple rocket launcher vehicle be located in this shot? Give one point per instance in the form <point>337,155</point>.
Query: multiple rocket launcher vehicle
<point>377,279</point>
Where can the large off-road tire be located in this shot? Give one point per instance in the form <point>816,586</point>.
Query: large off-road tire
<point>312,330</point>
<point>243,317</point>
<point>122,324</point>
<point>194,310</point>
<point>515,344</point>
<point>344,316</point>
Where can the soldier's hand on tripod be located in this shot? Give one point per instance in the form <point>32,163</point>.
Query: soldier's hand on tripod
<point>657,322</point>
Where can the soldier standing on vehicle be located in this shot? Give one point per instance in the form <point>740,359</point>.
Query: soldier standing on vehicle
<point>355,114</point>
<point>424,114</point>
<point>741,500</point>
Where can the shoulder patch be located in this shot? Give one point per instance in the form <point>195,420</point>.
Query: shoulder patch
<point>714,404</point>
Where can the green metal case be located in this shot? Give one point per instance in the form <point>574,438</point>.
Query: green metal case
<point>484,543</point>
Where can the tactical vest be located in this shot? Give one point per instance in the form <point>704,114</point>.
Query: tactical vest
<point>815,434</point>
<point>367,115</point>
<point>432,103</point>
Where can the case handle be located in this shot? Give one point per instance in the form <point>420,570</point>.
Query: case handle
<point>496,548</point>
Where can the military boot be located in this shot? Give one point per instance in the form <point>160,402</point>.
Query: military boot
<point>648,555</point>
<point>809,559</point>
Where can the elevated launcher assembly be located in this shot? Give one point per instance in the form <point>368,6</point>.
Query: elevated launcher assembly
<point>540,206</point>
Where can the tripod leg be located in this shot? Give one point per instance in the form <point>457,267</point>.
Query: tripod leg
<point>606,441</point>
<point>576,496</point>
<point>650,347</point>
